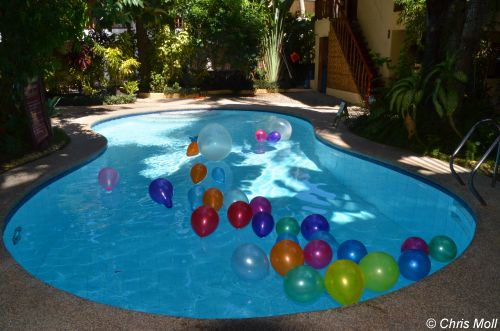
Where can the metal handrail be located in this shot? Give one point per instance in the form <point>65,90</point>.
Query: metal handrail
<point>470,182</point>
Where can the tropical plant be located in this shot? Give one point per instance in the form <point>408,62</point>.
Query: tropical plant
<point>131,87</point>
<point>51,106</point>
<point>117,65</point>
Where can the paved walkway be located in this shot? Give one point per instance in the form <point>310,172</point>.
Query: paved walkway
<point>466,289</point>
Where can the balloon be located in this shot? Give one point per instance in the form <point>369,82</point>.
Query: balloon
<point>260,204</point>
<point>161,191</point>
<point>218,175</point>
<point>192,149</point>
<point>353,250</point>
<point>288,225</point>
<point>318,254</point>
<point>287,236</point>
<point>274,137</point>
<point>414,264</point>
<point>303,284</point>
<point>195,196</point>
<point>415,243</point>
<point>204,220</point>
<point>262,224</point>
<point>442,248</point>
<point>280,125</point>
<point>233,196</point>
<point>239,214</point>
<point>313,223</point>
<point>213,198</point>
<point>108,178</point>
<point>260,135</point>
<point>344,282</point>
<point>380,270</point>
<point>286,255</point>
<point>325,236</point>
<point>214,142</point>
<point>250,262</point>
<point>198,172</point>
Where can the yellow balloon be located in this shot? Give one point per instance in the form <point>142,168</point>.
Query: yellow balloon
<point>344,282</point>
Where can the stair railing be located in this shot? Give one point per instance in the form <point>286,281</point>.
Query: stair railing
<point>496,143</point>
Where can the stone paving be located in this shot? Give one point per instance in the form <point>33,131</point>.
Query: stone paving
<point>468,288</point>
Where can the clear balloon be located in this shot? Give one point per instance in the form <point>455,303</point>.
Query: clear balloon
<point>288,225</point>
<point>260,204</point>
<point>380,270</point>
<point>442,248</point>
<point>195,196</point>
<point>204,220</point>
<point>250,262</point>
<point>313,223</point>
<point>414,264</point>
<point>318,254</point>
<point>198,172</point>
<point>286,255</point>
<point>239,214</point>
<point>344,282</point>
<point>161,191</point>
<point>353,250</point>
<point>303,284</point>
<point>108,178</point>
<point>233,196</point>
<point>213,198</point>
<point>260,135</point>
<point>274,137</point>
<point>280,125</point>
<point>415,243</point>
<point>219,175</point>
<point>214,142</point>
<point>262,224</point>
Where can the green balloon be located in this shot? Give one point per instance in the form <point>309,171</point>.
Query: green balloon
<point>288,225</point>
<point>344,282</point>
<point>442,248</point>
<point>380,270</point>
<point>303,284</point>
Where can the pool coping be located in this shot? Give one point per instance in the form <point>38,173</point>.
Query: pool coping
<point>457,291</point>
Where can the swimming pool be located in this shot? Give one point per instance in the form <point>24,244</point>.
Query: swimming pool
<point>122,249</point>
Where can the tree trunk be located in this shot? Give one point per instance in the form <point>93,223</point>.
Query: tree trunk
<point>302,7</point>
<point>143,53</point>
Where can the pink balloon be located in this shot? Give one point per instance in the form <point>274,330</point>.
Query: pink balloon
<point>260,204</point>
<point>318,254</point>
<point>260,135</point>
<point>415,243</point>
<point>108,178</point>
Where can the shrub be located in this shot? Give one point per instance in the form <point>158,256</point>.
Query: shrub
<point>131,87</point>
<point>119,99</point>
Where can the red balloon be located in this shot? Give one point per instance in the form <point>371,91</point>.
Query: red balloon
<point>239,214</point>
<point>204,220</point>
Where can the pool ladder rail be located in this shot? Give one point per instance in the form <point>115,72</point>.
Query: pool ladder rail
<point>496,143</point>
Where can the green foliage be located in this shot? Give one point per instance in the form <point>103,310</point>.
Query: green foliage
<point>51,106</point>
<point>264,84</point>
<point>119,99</point>
<point>405,95</point>
<point>299,37</point>
<point>117,65</point>
<point>131,87</point>
<point>177,89</point>
<point>158,82</point>
<point>175,50</point>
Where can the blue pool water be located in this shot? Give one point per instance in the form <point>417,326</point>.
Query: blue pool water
<point>122,249</point>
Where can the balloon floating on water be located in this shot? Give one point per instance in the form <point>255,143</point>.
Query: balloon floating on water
<point>195,196</point>
<point>161,191</point>
<point>325,236</point>
<point>250,262</point>
<point>239,214</point>
<point>108,178</point>
<point>260,204</point>
<point>233,196</point>
<point>313,223</point>
<point>288,225</point>
<point>380,270</point>
<point>262,224</point>
<point>287,236</point>
<point>274,137</point>
<point>260,135</point>
<point>198,172</point>
<point>344,282</point>
<point>280,125</point>
<point>193,149</point>
<point>303,284</point>
<point>442,248</point>
<point>286,255</point>
<point>204,220</point>
<point>214,142</point>
<point>213,198</point>
<point>318,254</point>
<point>414,264</point>
<point>219,175</point>
<point>415,243</point>
<point>353,250</point>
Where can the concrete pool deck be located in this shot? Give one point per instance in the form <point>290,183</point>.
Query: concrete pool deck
<point>467,289</point>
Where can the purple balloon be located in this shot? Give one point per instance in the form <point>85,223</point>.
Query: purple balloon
<point>108,178</point>
<point>318,254</point>
<point>313,223</point>
<point>274,137</point>
<point>262,224</point>
<point>260,204</point>
<point>415,243</point>
<point>161,191</point>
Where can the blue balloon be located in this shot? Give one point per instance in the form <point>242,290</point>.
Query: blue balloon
<point>273,137</point>
<point>219,175</point>
<point>250,262</point>
<point>161,191</point>
<point>414,264</point>
<point>325,236</point>
<point>287,236</point>
<point>353,250</point>
<point>262,224</point>
<point>195,196</point>
<point>313,223</point>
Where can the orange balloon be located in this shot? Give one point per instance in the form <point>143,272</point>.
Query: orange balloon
<point>193,149</point>
<point>286,255</point>
<point>213,198</point>
<point>198,172</point>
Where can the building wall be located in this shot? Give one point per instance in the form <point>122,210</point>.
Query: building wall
<point>309,4</point>
<point>339,74</point>
<point>321,29</point>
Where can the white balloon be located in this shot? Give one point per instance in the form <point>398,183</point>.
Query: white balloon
<point>281,125</point>
<point>214,142</point>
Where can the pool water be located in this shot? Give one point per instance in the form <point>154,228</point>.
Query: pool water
<point>121,248</point>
